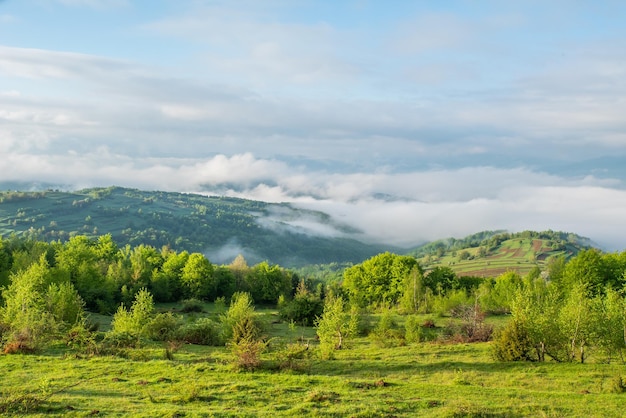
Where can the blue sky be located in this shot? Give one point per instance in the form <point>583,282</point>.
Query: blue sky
<point>410,120</point>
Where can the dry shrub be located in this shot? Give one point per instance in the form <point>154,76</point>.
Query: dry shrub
<point>247,354</point>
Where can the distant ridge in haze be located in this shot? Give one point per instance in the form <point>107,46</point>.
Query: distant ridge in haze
<point>219,227</point>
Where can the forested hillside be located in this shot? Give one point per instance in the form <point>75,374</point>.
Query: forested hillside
<point>219,227</point>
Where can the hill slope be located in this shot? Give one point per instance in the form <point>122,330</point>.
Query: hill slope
<point>219,227</point>
<point>491,253</point>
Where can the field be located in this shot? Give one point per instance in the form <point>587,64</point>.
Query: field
<point>521,255</point>
<point>422,379</point>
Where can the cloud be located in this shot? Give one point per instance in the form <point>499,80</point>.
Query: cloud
<point>397,208</point>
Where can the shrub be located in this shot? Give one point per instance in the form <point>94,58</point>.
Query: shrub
<point>163,327</point>
<point>472,327</point>
<point>412,329</point>
<point>303,309</point>
<point>335,326</point>
<point>204,331</point>
<point>247,354</point>
<point>113,341</point>
<point>387,333</point>
<point>241,310</point>
<point>512,343</point>
<point>64,303</point>
<point>617,384</point>
<point>134,321</point>
<point>192,305</point>
<point>294,357</point>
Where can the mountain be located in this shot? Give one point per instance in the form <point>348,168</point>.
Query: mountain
<point>219,227</point>
<point>491,253</point>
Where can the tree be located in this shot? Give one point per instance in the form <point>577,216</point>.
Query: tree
<point>441,279</point>
<point>304,308</point>
<point>380,280</point>
<point>414,291</point>
<point>79,259</point>
<point>609,323</point>
<point>266,283</point>
<point>166,283</point>
<point>197,279</point>
<point>576,321</point>
<point>588,269</point>
<point>133,321</point>
<point>36,309</point>
<point>497,295</point>
<point>335,326</point>
<point>240,317</point>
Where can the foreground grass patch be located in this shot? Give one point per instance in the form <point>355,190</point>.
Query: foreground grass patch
<point>363,381</point>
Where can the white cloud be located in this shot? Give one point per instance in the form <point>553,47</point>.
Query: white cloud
<point>402,209</point>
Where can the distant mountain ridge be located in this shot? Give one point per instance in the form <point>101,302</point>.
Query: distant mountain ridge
<point>223,227</point>
<point>219,227</point>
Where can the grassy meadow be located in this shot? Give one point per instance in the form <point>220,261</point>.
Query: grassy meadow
<point>428,379</point>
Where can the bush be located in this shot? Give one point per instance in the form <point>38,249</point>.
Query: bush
<point>512,343</point>
<point>204,331</point>
<point>617,384</point>
<point>192,305</point>
<point>239,314</point>
<point>134,321</point>
<point>303,309</point>
<point>335,326</point>
<point>163,327</point>
<point>113,341</point>
<point>247,354</point>
<point>294,357</point>
<point>472,327</point>
<point>412,330</point>
<point>387,333</point>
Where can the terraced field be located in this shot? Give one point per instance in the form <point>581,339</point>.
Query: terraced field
<point>519,254</point>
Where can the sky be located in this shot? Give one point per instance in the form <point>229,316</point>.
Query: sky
<point>408,120</point>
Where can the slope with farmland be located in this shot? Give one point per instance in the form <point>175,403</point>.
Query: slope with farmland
<point>489,254</point>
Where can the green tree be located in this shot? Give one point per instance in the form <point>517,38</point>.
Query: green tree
<point>133,321</point>
<point>197,279</point>
<point>380,280</point>
<point>609,324</point>
<point>496,295</point>
<point>304,308</point>
<point>80,260</point>
<point>166,284</point>
<point>441,279</point>
<point>37,310</point>
<point>267,282</point>
<point>587,268</point>
<point>414,298</point>
<point>576,321</point>
<point>335,326</point>
<point>240,320</point>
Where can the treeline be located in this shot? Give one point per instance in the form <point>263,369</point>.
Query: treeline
<point>105,275</point>
<point>573,308</point>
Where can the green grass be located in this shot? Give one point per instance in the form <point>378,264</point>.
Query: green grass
<point>426,379</point>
